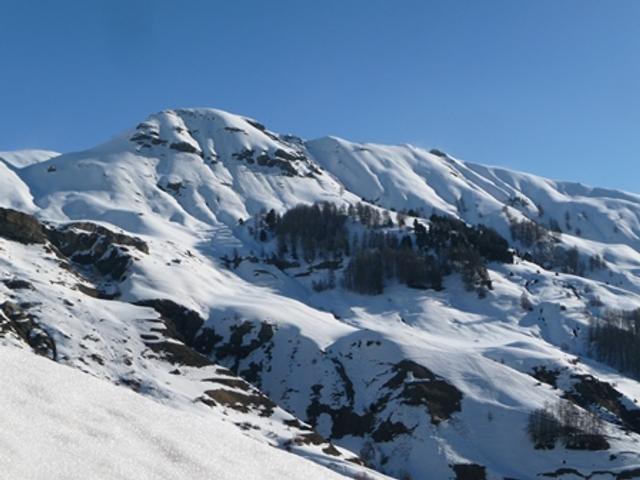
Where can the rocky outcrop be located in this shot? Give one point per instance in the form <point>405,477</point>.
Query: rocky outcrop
<point>91,245</point>
<point>588,392</point>
<point>469,471</point>
<point>83,243</point>
<point>185,147</point>
<point>15,318</point>
<point>181,323</point>
<point>440,398</point>
<point>21,227</point>
<point>176,330</point>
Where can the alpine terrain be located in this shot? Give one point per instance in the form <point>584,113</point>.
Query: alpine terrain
<point>370,311</point>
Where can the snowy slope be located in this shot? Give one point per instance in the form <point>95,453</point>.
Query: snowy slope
<point>189,184</point>
<point>67,312</point>
<point>15,194</point>
<point>408,177</point>
<point>61,424</point>
<point>24,158</point>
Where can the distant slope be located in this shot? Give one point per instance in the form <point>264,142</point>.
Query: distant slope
<point>14,193</point>
<point>404,177</point>
<point>24,158</point>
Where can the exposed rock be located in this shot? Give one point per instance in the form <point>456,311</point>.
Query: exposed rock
<point>96,293</point>
<point>20,227</point>
<point>469,471</point>
<point>92,245</point>
<point>172,187</point>
<point>246,155</point>
<point>387,431</point>
<point>181,323</point>
<point>255,124</point>
<point>546,375</point>
<point>440,397</point>
<point>235,347</point>
<point>206,341</point>
<point>19,321</point>
<point>235,130</point>
<point>588,391</point>
<point>185,147</point>
<point>242,402</point>
<point>178,353</point>
<point>633,473</point>
<point>17,284</point>
<point>439,153</point>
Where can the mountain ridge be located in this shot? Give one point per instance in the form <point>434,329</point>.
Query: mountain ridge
<point>412,380</point>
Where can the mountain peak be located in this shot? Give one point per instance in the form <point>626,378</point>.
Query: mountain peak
<point>416,309</point>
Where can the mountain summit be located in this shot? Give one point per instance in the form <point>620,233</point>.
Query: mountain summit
<point>379,310</point>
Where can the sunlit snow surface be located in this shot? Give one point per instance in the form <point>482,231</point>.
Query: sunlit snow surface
<point>187,207</point>
<point>58,423</point>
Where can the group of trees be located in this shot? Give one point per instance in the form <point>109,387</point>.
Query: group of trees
<point>463,248</point>
<point>379,256</point>
<point>564,421</point>
<point>530,233</point>
<point>615,340</point>
<point>543,247</point>
<point>310,231</point>
<point>450,233</point>
<point>539,244</point>
<point>317,231</point>
<point>418,257</point>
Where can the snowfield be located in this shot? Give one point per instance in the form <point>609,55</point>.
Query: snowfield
<point>141,263</point>
<point>61,424</point>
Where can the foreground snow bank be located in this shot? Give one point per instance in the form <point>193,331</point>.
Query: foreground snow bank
<point>60,423</point>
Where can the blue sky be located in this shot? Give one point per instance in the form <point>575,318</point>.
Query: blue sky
<point>546,86</point>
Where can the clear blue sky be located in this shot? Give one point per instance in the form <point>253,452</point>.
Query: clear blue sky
<point>547,86</point>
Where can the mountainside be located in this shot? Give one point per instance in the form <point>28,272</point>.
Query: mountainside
<point>424,316</point>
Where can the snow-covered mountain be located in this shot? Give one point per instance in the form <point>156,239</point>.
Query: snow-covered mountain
<point>172,260</point>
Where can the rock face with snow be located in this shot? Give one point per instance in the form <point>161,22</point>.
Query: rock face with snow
<point>159,261</point>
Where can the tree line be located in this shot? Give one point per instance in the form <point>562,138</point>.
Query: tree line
<point>563,421</point>
<point>543,247</point>
<point>376,251</point>
<point>615,340</point>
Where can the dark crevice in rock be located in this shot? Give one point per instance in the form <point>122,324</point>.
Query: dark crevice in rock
<point>346,381</point>
<point>206,341</point>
